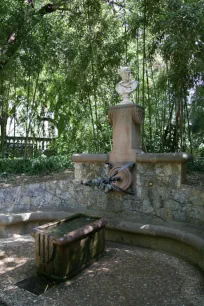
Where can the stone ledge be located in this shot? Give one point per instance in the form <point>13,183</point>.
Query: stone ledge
<point>181,235</point>
<point>182,241</point>
<point>90,158</point>
<point>127,105</point>
<point>163,157</point>
<point>12,218</point>
<point>174,237</point>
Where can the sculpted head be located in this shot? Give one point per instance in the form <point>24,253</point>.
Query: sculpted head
<point>125,73</point>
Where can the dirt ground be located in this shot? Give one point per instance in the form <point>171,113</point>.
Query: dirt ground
<point>124,276</point>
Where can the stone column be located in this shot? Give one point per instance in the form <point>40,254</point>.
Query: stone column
<point>126,120</point>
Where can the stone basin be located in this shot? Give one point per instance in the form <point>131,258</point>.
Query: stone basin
<point>64,247</point>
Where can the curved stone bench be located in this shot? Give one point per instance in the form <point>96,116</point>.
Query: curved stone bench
<point>176,238</point>
<point>179,240</point>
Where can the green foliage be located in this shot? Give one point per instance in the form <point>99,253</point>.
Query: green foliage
<point>196,165</point>
<point>65,60</point>
<point>37,166</point>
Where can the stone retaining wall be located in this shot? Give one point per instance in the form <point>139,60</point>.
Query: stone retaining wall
<point>159,193</point>
<point>52,195</point>
<point>157,196</point>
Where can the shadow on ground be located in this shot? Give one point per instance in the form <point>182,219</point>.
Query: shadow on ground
<point>125,275</point>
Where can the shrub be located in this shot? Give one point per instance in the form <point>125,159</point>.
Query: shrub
<point>196,165</point>
<point>36,166</point>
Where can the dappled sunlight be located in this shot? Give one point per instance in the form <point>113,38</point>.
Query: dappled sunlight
<point>90,271</point>
<point>185,155</point>
<point>15,251</point>
<point>15,238</point>
<point>12,262</point>
<point>25,216</point>
<point>5,185</point>
<point>105,269</point>
<point>128,251</point>
<point>113,277</point>
<point>100,267</point>
<point>88,229</point>
<point>145,226</point>
<point>22,216</point>
<point>11,287</point>
<point>68,283</point>
<point>2,254</point>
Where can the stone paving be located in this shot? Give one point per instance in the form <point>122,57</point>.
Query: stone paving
<point>124,276</point>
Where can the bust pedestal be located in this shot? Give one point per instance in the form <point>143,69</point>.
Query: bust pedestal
<point>125,120</point>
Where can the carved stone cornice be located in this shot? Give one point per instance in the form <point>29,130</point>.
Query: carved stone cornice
<point>138,112</point>
<point>138,115</point>
<point>90,158</point>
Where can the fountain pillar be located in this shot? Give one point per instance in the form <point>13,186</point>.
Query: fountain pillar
<point>126,120</point>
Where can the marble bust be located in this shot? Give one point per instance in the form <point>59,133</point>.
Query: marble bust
<point>126,86</point>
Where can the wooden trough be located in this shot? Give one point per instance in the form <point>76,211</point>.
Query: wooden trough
<point>66,246</point>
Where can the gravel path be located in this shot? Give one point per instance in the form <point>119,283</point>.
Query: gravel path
<point>124,276</point>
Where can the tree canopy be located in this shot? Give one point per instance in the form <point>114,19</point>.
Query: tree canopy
<point>59,64</point>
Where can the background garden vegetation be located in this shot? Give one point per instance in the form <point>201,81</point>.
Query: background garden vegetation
<point>59,64</point>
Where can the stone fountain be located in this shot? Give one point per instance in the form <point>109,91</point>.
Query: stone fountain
<point>142,196</point>
<point>148,178</point>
